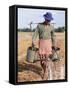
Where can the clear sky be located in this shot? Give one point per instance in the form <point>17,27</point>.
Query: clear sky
<point>25,16</point>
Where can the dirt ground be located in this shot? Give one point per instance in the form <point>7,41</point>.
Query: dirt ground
<point>33,71</point>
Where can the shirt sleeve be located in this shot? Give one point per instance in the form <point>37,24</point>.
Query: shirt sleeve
<point>53,37</point>
<point>35,34</point>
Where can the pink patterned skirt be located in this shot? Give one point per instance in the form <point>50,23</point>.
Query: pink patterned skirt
<point>45,47</point>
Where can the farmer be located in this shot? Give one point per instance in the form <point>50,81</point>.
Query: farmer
<point>45,31</point>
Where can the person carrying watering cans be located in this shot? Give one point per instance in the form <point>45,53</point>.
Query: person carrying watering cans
<point>47,37</point>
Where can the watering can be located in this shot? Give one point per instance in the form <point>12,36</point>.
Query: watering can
<point>55,53</point>
<point>32,53</point>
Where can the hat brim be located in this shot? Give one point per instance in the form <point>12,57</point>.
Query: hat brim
<point>46,18</point>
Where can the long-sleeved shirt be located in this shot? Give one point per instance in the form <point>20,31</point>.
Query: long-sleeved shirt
<point>44,32</point>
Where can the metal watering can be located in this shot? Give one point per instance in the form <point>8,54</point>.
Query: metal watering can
<point>32,53</point>
<point>55,53</point>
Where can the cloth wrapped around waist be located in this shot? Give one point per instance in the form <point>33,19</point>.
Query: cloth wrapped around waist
<point>45,47</point>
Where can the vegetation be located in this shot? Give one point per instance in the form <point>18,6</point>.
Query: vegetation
<point>59,29</point>
<point>26,30</point>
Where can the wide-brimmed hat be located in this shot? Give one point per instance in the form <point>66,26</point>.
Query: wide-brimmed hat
<point>48,16</point>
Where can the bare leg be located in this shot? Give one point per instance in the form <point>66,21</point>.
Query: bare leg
<point>44,65</point>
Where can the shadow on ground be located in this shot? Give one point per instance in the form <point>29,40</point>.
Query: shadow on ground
<point>30,67</point>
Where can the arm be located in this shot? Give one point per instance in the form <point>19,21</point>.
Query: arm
<point>35,35</point>
<point>53,38</point>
